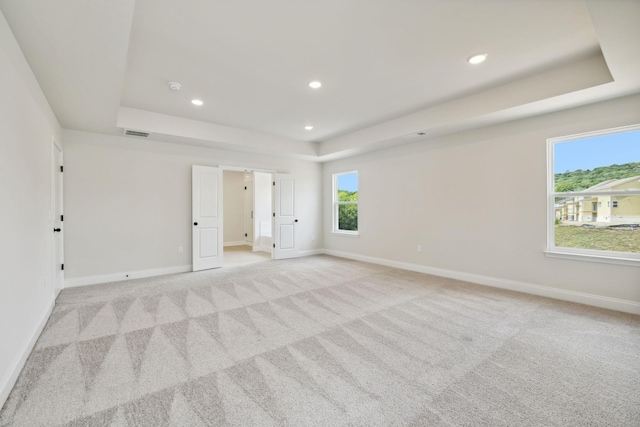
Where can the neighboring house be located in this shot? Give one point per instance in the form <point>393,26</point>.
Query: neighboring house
<point>618,209</point>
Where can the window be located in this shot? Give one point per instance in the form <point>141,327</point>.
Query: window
<point>594,196</point>
<point>345,203</point>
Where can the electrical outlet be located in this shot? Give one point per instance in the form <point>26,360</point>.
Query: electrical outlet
<point>419,248</point>
<point>180,249</point>
<point>313,237</point>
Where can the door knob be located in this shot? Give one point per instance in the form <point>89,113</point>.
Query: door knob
<point>57,230</point>
<point>296,220</point>
<point>195,223</point>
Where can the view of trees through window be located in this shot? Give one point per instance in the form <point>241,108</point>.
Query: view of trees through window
<point>346,201</point>
<point>597,192</point>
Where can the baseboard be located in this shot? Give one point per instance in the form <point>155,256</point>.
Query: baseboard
<point>237,243</point>
<point>10,381</point>
<point>527,288</point>
<point>312,252</point>
<point>118,277</point>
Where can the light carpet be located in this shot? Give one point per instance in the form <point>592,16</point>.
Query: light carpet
<point>322,341</point>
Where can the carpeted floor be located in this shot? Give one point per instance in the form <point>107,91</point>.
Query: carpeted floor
<point>325,342</point>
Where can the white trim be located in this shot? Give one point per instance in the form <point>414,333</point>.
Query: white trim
<point>580,254</point>
<point>635,262</point>
<point>593,134</point>
<point>118,277</point>
<point>311,252</point>
<point>245,169</point>
<point>10,380</point>
<point>261,249</point>
<point>346,233</point>
<point>237,243</point>
<point>527,288</point>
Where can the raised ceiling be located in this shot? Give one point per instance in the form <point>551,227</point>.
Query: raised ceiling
<point>389,68</point>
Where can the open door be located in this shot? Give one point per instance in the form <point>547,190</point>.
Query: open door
<point>284,217</point>
<point>206,185</point>
<point>58,218</point>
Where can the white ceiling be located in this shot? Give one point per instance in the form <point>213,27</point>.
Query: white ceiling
<point>389,68</point>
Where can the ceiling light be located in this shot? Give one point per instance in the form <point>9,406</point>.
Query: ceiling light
<point>477,58</point>
<point>174,85</point>
<point>197,102</point>
<point>308,127</point>
<point>315,84</point>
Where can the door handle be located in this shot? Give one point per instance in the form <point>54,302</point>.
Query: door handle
<point>296,220</point>
<point>195,223</point>
<point>57,230</point>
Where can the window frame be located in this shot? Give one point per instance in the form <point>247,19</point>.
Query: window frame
<point>337,203</point>
<point>593,255</point>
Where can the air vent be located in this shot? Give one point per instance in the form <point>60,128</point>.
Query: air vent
<point>137,133</point>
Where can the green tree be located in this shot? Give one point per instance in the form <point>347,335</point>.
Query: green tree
<point>579,180</point>
<point>348,213</point>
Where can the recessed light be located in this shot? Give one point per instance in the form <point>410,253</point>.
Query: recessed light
<point>315,84</point>
<point>174,85</point>
<point>197,102</point>
<point>308,127</point>
<point>477,58</point>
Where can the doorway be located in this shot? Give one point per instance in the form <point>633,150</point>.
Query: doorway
<point>219,202</point>
<point>247,202</point>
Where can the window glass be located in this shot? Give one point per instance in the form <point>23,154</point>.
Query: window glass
<point>596,192</point>
<point>345,218</point>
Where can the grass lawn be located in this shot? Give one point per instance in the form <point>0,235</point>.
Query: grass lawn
<point>605,239</point>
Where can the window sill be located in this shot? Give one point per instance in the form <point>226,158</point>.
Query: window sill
<point>346,233</point>
<point>593,258</point>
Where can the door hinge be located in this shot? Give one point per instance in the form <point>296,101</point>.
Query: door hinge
<point>274,214</point>
<point>246,235</point>
<point>245,187</point>
<point>61,218</point>
<point>274,245</point>
<point>61,168</point>
<point>62,267</point>
<point>274,183</point>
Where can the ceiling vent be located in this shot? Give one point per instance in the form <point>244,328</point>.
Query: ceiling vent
<point>136,133</point>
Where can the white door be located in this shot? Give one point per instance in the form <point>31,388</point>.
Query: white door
<point>206,185</point>
<point>284,220</point>
<point>58,220</point>
<point>248,211</point>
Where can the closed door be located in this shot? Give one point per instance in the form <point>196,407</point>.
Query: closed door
<point>207,217</point>
<point>58,219</point>
<point>285,221</point>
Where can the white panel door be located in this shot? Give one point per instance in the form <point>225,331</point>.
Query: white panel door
<point>248,212</point>
<point>206,185</point>
<point>284,219</point>
<point>58,239</point>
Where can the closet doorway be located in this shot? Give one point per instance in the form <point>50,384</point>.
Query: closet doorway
<point>247,202</point>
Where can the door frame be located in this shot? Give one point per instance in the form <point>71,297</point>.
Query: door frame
<point>57,199</point>
<point>272,172</point>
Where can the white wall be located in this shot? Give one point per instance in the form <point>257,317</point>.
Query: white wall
<point>233,201</point>
<point>128,202</point>
<point>27,127</point>
<point>476,202</point>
